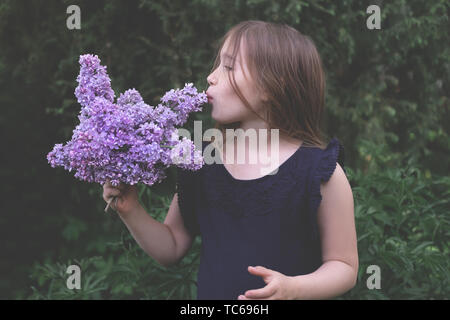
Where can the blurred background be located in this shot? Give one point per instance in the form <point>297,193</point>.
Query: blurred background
<point>387,102</point>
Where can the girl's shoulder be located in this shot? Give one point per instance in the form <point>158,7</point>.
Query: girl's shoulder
<point>325,160</point>
<point>312,162</point>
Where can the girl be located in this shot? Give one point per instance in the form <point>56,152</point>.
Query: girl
<point>287,235</point>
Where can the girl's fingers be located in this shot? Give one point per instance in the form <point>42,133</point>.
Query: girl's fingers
<point>113,189</point>
<point>108,184</point>
<point>111,194</point>
<point>113,204</point>
<point>262,293</point>
<point>116,193</point>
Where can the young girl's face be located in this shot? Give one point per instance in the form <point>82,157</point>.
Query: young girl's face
<point>227,107</point>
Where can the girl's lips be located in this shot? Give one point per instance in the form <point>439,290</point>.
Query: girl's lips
<point>209,98</point>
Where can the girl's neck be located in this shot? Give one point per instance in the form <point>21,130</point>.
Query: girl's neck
<point>252,143</point>
<point>260,135</point>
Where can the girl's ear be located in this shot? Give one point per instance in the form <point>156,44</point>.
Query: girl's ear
<point>263,95</point>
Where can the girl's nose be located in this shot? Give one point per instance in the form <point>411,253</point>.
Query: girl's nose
<point>210,79</point>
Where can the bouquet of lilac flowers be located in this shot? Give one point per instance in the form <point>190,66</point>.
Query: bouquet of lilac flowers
<point>127,141</point>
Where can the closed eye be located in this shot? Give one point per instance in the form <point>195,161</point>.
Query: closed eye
<point>228,68</point>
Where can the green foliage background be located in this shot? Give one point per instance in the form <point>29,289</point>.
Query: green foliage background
<point>387,101</point>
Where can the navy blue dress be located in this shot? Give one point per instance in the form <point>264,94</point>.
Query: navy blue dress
<point>269,221</point>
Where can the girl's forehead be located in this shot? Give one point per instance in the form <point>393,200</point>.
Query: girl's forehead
<point>226,54</point>
<point>227,51</point>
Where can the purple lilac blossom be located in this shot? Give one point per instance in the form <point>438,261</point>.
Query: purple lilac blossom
<point>128,141</point>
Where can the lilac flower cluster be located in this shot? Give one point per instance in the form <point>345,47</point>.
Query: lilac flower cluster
<point>127,141</point>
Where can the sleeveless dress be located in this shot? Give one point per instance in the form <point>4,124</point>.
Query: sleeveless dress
<point>270,221</point>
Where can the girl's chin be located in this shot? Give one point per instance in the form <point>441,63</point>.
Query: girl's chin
<point>220,119</point>
<point>217,118</point>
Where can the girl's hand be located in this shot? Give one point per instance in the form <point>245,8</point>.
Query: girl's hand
<point>279,286</point>
<point>127,198</point>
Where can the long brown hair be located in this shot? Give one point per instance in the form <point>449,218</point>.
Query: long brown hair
<point>287,66</point>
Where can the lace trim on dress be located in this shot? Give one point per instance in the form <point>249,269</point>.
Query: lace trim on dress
<point>334,153</point>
